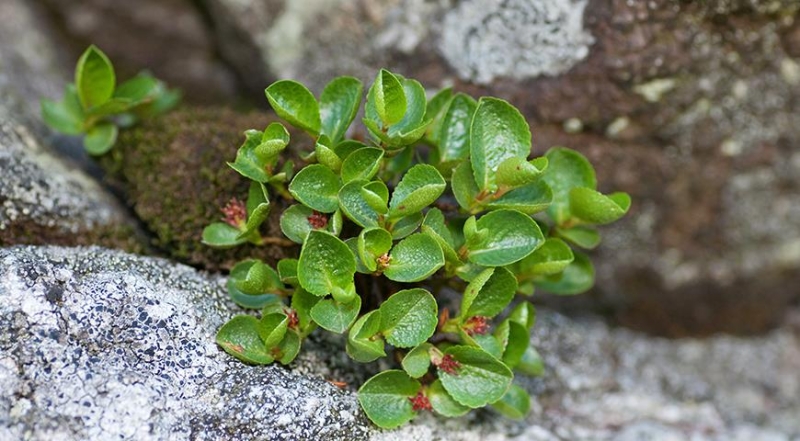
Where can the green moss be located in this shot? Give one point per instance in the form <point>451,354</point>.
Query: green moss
<point>172,170</point>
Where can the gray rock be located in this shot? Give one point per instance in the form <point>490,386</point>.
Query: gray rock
<point>98,344</point>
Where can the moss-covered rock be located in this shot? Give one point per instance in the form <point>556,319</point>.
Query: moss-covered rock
<point>173,172</point>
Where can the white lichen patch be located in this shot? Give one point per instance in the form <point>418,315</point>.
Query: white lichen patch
<point>487,39</point>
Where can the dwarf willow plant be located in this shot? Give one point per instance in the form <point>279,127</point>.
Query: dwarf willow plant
<point>415,243</point>
<point>96,107</point>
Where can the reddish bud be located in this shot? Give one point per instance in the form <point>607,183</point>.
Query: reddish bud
<point>383,261</point>
<point>476,325</point>
<point>317,220</point>
<point>420,402</point>
<point>293,319</point>
<point>448,365</point>
<point>235,213</point>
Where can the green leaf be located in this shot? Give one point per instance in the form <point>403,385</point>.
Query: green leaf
<point>363,344</point>
<point>372,244</point>
<point>479,380</point>
<point>325,262</point>
<point>113,106</point>
<point>100,138</point>
<point>344,148</point>
<point>273,141</point>
<point>273,328</point>
<point>298,220</point>
<point>221,235</point>
<point>515,404</point>
<point>65,116</point>
<point>387,98</point>
<point>335,316</point>
<point>296,104</point>
<point>325,154</point>
<point>289,347</point>
<point>287,270</point>
<point>531,363</point>
<point>257,210</point>
<point>517,341</point>
<point>361,164</point>
<point>585,237</point>
<point>577,278</point>
<point>420,187</point>
<point>498,132</point>
<point>596,208</point>
<point>338,106</point>
<point>410,128</point>
<point>417,361</point>
<point>524,314</point>
<point>239,337</point>
<point>94,78</point>
<point>551,258</point>
<point>566,170</point>
<point>376,195</point>
<point>516,172</point>
<point>503,237</point>
<point>302,303</point>
<point>139,88</point>
<point>316,187</point>
<point>464,187</point>
<point>409,317</point>
<point>489,293</point>
<point>260,278</point>
<point>248,163</point>
<point>385,398</point>
<point>355,206</point>
<point>529,199</point>
<point>442,403</point>
<point>405,225</point>
<point>263,292</point>
<point>414,259</point>
<point>434,226</point>
<point>436,105</point>
<point>453,133</point>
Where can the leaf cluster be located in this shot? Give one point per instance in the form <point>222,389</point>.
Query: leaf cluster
<point>442,196</point>
<point>95,106</point>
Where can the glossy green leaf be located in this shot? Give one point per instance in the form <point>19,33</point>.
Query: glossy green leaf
<point>344,148</point>
<point>531,363</point>
<point>515,404</point>
<point>372,244</point>
<point>434,226</point>
<point>273,328</point>
<point>503,237</point>
<point>585,237</point>
<point>338,106</point>
<point>302,303</point>
<point>524,314</point>
<point>577,278</point>
<point>325,154</point>
<point>287,271</point>
<point>296,104</point>
<point>409,317</point>
<point>325,262</point>
<point>434,110</point>
<point>65,116</point>
<point>566,170</point>
<point>288,348</point>
<point>385,398</point>
<point>417,362</point>
<point>274,140</point>
<point>94,78</point>
<point>355,206</point>
<point>444,404</point>
<point>263,292</point>
<point>518,339</point>
<point>259,278</point>
<point>363,343</point>
<point>464,187</point>
<point>100,138</point>
<point>334,316</point>
<point>498,132</point>
<point>529,199</point>
<point>387,98</point>
<point>221,235</point>
<point>551,258</point>
<point>406,225</point>
<point>361,164</point>
<point>596,208</point>
<point>247,162</point>
<point>453,133</point>
<point>420,187</point>
<point>295,222</point>
<point>489,293</point>
<point>479,380</point>
<point>316,187</point>
<point>517,171</point>
<point>412,121</point>
<point>139,88</point>
<point>239,337</point>
<point>414,259</point>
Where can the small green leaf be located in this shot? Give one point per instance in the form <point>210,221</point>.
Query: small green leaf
<point>596,208</point>
<point>436,105</point>
<point>417,361</point>
<point>414,259</point>
<point>296,104</point>
<point>272,329</point>
<point>221,235</point>
<point>338,106</point>
<point>295,224</point>
<point>516,171</point>
<point>531,363</point>
<point>273,141</point>
<point>361,164</point>
<point>363,343</point>
<point>355,206</point>
<point>344,148</point>
<point>239,337</point>
<point>287,270</point>
<point>503,237</point>
<point>434,226</point>
<point>453,133</point>
<point>372,244</point>
<point>325,262</point>
<point>409,317</point>
<point>100,138</point>
<point>420,187</point>
<point>258,297</point>
<point>388,98</point>
<point>316,187</point>
<point>302,303</point>
<point>480,379</point>
<point>334,316</point>
<point>260,278</point>
<point>551,258</point>
<point>529,199</point>
<point>385,398</point>
<point>248,163</point>
<point>524,314</point>
<point>489,293</point>
<point>517,341</point>
<point>577,278</point>
<point>442,403</point>
<point>94,78</point>
<point>65,116</point>
<point>498,132</point>
<point>325,154</point>
<point>566,170</point>
<point>464,187</point>
<point>406,225</point>
<point>139,88</point>
<point>585,237</point>
<point>289,347</point>
<point>515,404</point>
<point>113,106</point>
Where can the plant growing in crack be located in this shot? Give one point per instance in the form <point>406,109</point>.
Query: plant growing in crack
<point>425,242</point>
<point>96,107</point>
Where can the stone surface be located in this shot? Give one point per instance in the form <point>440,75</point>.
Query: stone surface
<point>98,344</point>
